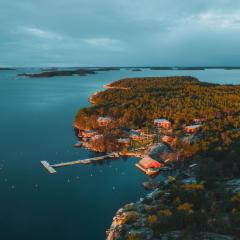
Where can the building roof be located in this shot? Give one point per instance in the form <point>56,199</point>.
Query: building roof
<point>124,140</point>
<point>194,126</point>
<point>100,119</point>
<point>161,120</point>
<point>148,162</point>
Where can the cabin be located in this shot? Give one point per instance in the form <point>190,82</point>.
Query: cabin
<point>104,121</point>
<point>192,128</point>
<point>199,120</point>
<point>89,133</point>
<point>162,122</point>
<point>124,141</point>
<point>147,162</point>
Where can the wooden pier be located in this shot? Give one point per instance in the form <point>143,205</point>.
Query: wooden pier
<point>141,168</point>
<point>51,167</point>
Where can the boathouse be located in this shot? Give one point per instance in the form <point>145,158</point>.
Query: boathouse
<point>148,162</point>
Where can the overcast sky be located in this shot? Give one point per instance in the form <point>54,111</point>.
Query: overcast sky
<point>119,32</point>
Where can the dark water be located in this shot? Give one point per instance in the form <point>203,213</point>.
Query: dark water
<point>36,123</point>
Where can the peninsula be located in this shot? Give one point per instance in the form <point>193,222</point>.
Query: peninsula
<point>172,121</point>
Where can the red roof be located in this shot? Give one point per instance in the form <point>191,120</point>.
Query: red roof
<point>148,162</point>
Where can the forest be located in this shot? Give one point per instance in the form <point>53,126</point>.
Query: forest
<point>179,99</point>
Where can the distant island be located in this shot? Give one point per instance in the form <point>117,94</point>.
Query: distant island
<point>54,72</point>
<point>177,68</point>
<point>58,72</point>
<point>172,123</point>
<point>3,69</point>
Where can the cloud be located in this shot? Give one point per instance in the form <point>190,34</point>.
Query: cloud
<point>217,19</point>
<point>107,43</point>
<point>39,33</point>
<point>137,32</point>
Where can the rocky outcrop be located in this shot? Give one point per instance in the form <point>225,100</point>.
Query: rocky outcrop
<point>176,235</point>
<point>132,221</point>
<point>233,185</point>
<point>140,220</point>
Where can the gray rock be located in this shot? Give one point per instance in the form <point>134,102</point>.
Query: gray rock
<point>233,185</point>
<point>142,233</point>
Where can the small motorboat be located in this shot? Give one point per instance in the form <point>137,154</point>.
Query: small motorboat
<point>150,185</point>
<point>78,144</point>
<point>152,171</point>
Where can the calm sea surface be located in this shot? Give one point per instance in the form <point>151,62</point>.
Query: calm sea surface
<point>78,202</point>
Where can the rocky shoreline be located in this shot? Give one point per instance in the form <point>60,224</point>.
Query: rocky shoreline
<point>138,221</point>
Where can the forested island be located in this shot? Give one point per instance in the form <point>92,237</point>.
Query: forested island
<point>7,69</point>
<point>199,125</point>
<point>54,72</point>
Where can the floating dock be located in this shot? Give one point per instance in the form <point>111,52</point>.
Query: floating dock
<point>51,167</point>
<point>48,167</point>
<point>140,167</point>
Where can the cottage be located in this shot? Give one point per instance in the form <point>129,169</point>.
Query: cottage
<point>124,141</point>
<point>199,120</point>
<point>192,128</point>
<point>148,162</point>
<point>162,122</point>
<point>104,121</point>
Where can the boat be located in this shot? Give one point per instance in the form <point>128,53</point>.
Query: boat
<point>78,144</point>
<point>150,185</point>
<point>152,171</point>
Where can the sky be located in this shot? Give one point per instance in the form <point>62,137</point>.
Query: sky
<point>119,33</point>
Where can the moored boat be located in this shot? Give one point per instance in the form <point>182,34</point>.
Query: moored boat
<point>78,144</point>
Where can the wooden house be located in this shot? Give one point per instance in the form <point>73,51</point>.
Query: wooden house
<point>192,128</point>
<point>162,122</point>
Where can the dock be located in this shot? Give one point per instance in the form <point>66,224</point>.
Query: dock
<point>141,168</point>
<point>48,167</point>
<point>51,167</point>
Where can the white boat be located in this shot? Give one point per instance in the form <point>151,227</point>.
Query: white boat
<point>78,144</point>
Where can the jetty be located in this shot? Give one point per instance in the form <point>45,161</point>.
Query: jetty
<point>51,168</point>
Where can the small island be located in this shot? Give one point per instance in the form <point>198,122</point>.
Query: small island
<point>54,72</point>
<point>172,123</point>
<point>7,69</point>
